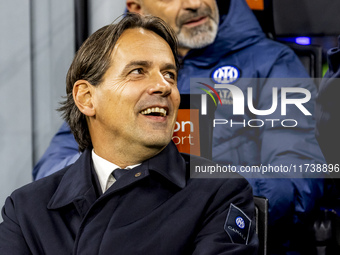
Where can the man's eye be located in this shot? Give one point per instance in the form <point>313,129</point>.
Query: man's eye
<point>137,71</point>
<point>169,75</point>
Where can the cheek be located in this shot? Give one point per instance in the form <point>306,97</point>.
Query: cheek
<point>116,87</point>
<point>113,95</point>
<point>170,16</point>
<point>106,106</point>
<point>176,98</point>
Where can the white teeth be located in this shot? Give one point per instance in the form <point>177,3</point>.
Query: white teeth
<point>161,111</point>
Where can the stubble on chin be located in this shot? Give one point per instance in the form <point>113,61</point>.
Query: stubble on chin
<point>199,36</point>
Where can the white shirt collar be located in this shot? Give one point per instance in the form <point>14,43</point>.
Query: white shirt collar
<point>104,171</point>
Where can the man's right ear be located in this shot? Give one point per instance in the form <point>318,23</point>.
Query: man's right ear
<point>134,6</point>
<point>83,93</point>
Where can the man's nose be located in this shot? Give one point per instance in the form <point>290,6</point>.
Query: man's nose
<point>192,4</point>
<point>159,85</point>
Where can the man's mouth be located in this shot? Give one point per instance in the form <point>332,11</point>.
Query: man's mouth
<point>155,111</point>
<point>196,21</point>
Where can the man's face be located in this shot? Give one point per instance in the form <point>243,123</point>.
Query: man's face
<point>194,21</point>
<point>136,104</point>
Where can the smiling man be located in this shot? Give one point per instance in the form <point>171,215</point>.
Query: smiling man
<point>221,39</point>
<point>129,192</point>
<point>135,106</point>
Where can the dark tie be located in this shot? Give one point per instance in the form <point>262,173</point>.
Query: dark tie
<point>119,173</point>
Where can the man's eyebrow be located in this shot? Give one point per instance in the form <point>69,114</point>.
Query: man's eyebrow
<point>145,63</point>
<point>133,64</point>
<point>170,66</point>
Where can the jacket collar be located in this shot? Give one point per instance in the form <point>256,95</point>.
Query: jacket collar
<point>170,164</point>
<point>77,182</point>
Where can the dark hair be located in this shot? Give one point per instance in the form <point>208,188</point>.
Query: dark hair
<point>93,60</point>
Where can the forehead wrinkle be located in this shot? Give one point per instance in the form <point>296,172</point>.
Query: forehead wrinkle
<point>128,43</point>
